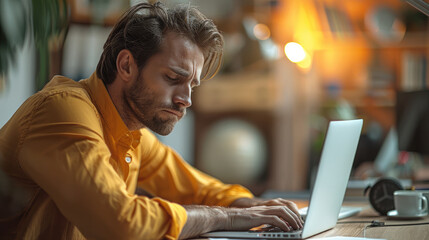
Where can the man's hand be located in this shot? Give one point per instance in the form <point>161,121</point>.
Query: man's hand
<point>279,216</point>
<point>244,214</point>
<point>252,202</point>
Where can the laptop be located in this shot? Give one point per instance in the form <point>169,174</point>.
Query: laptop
<point>345,212</point>
<point>329,188</point>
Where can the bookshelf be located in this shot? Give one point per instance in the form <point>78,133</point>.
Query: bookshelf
<point>372,59</point>
<point>414,71</point>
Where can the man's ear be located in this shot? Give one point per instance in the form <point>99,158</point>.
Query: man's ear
<point>126,66</point>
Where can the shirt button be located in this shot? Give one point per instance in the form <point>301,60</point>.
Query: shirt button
<point>128,159</point>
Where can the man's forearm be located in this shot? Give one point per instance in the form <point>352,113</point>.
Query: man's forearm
<point>239,216</point>
<point>202,219</point>
<point>245,202</point>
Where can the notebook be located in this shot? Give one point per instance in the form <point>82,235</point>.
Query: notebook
<point>327,195</point>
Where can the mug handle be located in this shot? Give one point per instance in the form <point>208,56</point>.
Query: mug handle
<point>425,204</point>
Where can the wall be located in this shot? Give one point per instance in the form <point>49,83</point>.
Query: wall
<point>20,82</point>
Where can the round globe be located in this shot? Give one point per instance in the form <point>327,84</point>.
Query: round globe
<point>234,151</point>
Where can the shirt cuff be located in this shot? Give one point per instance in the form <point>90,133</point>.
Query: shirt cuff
<point>178,217</point>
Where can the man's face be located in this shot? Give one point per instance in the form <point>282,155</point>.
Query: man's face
<point>158,98</point>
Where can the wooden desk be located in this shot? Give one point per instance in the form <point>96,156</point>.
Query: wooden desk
<point>419,232</point>
<point>364,218</point>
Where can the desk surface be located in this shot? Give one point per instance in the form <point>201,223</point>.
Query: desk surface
<point>419,232</point>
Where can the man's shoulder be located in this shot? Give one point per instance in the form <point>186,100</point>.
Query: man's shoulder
<point>59,82</point>
<point>66,87</point>
<point>59,95</point>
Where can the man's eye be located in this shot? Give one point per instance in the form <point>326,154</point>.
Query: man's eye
<point>171,78</point>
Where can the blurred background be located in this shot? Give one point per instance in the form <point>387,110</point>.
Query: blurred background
<point>289,68</point>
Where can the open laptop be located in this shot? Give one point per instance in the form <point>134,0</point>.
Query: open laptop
<point>345,212</point>
<point>329,188</point>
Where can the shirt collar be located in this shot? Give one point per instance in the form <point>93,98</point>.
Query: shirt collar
<point>109,114</point>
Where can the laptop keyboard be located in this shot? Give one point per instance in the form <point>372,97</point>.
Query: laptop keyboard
<point>275,232</point>
<point>271,229</point>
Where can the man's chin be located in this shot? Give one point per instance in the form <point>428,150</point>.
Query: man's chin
<point>162,129</point>
<point>163,133</point>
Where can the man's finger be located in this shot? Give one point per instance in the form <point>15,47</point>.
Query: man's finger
<point>286,214</point>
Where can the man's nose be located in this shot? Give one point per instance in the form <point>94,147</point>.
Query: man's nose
<point>183,96</point>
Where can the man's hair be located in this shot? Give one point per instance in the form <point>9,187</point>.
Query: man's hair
<point>141,30</point>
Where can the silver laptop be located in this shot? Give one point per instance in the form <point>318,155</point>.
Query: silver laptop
<point>329,188</point>
<point>345,211</point>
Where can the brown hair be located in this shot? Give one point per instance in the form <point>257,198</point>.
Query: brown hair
<point>141,30</point>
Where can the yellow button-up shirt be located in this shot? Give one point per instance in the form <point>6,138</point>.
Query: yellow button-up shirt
<point>68,149</point>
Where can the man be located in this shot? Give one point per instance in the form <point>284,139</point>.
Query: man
<point>80,149</point>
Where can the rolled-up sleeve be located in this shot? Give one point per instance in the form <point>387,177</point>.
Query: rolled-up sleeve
<point>63,151</point>
<point>181,182</point>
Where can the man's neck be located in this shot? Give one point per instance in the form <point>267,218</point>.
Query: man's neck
<point>116,93</point>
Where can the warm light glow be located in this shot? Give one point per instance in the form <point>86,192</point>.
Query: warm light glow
<point>261,31</point>
<point>305,63</point>
<point>295,52</point>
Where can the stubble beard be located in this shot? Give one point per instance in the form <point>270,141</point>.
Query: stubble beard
<point>141,109</point>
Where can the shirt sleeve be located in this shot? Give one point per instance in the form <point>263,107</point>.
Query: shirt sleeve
<point>163,173</point>
<point>63,152</point>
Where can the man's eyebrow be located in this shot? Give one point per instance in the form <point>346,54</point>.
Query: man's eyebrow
<point>180,71</point>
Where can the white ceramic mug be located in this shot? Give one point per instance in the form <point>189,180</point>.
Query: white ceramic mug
<point>426,194</point>
<point>410,203</point>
